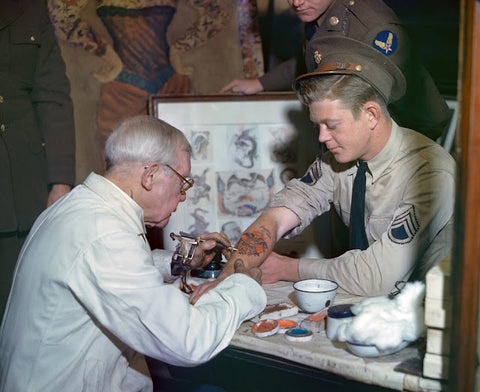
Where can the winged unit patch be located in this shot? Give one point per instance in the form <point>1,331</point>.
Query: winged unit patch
<point>385,42</point>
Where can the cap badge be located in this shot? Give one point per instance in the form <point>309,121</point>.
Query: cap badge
<point>317,56</point>
<point>385,42</point>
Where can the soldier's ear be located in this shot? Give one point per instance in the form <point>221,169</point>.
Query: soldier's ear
<point>373,112</point>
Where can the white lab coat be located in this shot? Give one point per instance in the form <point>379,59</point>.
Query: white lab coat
<point>86,297</point>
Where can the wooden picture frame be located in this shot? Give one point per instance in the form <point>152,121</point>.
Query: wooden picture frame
<point>244,149</point>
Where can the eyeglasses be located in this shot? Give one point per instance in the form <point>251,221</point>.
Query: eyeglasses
<point>187,181</point>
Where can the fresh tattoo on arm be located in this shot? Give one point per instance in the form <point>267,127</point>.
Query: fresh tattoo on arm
<point>254,243</point>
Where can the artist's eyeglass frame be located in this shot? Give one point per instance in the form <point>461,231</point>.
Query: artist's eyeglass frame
<point>187,182</point>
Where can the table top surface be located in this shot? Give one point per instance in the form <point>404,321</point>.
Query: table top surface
<point>332,356</point>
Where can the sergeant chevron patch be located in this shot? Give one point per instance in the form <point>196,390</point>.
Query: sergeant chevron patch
<point>404,227</point>
<point>313,173</point>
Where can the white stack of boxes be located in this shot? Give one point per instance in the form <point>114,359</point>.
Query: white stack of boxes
<point>438,311</point>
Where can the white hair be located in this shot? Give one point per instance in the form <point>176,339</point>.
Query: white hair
<point>144,139</point>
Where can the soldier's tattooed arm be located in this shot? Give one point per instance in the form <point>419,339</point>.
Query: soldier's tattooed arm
<point>254,243</point>
<point>254,246</point>
<point>258,241</point>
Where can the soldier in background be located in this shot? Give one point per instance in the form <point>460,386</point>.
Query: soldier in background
<point>37,138</point>
<point>372,22</point>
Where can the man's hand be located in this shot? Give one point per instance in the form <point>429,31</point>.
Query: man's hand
<point>208,247</point>
<point>202,289</point>
<point>253,273</point>
<point>58,190</point>
<point>278,267</point>
<point>244,86</point>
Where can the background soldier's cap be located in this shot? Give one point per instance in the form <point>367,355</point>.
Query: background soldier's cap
<point>347,56</point>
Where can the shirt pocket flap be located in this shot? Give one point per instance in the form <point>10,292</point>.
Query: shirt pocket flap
<point>24,36</point>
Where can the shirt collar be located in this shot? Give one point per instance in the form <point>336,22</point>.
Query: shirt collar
<point>378,164</point>
<point>320,20</point>
<point>113,195</point>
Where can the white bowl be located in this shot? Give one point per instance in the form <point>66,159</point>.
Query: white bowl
<point>370,350</point>
<point>314,295</point>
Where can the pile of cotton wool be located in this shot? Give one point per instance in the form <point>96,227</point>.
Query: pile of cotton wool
<point>385,322</point>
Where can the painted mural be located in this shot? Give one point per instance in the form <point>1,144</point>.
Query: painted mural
<point>119,52</point>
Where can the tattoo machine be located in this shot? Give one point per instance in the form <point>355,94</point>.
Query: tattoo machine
<point>212,270</point>
<point>182,257</point>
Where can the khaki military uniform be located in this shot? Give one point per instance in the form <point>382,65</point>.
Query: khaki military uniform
<point>370,21</point>
<point>409,204</point>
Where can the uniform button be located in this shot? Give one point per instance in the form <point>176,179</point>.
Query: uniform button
<point>351,2</point>
<point>32,38</point>
<point>333,20</point>
<point>1,99</point>
<point>2,128</point>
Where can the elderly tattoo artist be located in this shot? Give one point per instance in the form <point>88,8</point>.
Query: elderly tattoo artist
<point>409,196</point>
<point>87,298</point>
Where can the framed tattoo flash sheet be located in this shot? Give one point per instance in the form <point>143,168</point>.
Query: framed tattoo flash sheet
<point>244,149</point>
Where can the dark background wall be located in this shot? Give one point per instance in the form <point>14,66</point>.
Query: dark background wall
<point>436,27</point>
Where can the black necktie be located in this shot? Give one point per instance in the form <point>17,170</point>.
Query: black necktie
<point>358,237</point>
<point>310,29</point>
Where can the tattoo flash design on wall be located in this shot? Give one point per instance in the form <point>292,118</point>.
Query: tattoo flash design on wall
<point>244,193</point>
<point>287,174</point>
<point>404,227</point>
<point>232,230</point>
<point>283,145</point>
<point>201,145</point>
<point>201,191</point>
<point>200,221</point>
<point>244,147</point>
